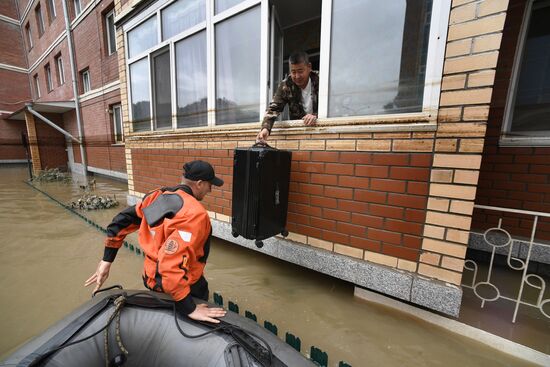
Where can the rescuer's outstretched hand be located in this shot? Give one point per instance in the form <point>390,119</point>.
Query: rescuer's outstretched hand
<point>100,275</point>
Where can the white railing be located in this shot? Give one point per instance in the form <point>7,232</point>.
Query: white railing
<point>514,263</point>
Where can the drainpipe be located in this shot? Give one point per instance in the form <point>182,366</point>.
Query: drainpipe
<point>75,87</point>
<point>43,118</point>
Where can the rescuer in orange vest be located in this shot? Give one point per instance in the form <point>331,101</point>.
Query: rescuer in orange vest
<point>174,233</point>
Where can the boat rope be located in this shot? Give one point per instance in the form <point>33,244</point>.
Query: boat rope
<point>119,303</point>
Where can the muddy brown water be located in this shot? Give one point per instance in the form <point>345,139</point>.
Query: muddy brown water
<point>46,253</point>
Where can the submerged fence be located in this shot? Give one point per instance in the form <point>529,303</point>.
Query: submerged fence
<point>315,354</point>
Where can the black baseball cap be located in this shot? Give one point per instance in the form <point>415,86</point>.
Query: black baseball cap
<point>201,170</point>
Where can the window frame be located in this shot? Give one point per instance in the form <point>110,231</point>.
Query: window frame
<point>37,86</point>
<point>52,13</point>
<point>77,9</point>
<point>86,80</point>
<point>49,81</point>
<point>39,20</point>
<point>60,70</point>
<point>505,138</point>
<point>111,49</point>
<point>114,108</point>
<point>432,82</point>
<point>28,32</point>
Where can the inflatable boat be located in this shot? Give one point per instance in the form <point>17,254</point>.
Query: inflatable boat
<point>135,328</point>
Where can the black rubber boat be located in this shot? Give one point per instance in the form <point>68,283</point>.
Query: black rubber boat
<point>134,328</point>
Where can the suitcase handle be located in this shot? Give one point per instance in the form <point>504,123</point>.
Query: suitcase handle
<point>262,144</point>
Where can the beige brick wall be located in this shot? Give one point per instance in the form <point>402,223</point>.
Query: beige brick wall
<point>33,142</point>
<point>475,33</point>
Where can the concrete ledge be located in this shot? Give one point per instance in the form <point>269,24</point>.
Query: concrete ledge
<point>13,161</point>
<point>494,341</point>
<point>79,169</point>
<point>433,294</point>
<point>539,253</point>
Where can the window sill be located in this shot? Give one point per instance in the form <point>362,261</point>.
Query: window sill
<point>120,144</point>
<point>363,124</point>
<point>524,141</point>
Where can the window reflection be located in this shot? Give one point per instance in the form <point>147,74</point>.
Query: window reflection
<point>378,56</point>
<point>238,68</point>
<point>139,87</point>
<point>142,37</point>
<point>162,96</point>
<point>182,15</point>
<point>222,5</point>
<point>531,112</point>
<point>191,81</point>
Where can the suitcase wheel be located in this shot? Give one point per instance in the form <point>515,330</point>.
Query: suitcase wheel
<point>235,234</point>
<point>284,233</point>
<point>259,244</point>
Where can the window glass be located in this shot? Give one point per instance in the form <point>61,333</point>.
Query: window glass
<point>378,56</point>
<point>222,5</point>
<point>139,87</point>
<point>191,81</point>
<point>162,97</point>
<point>37,86</point>
<point>77,7</point>
<point>60,71</point>
<point>39,20</point>
<point>117,122</point>
<point>238,68</point>
<point>142,37</point>
<point>111,32</point>
<point>531,110</point>
<point>182,15</point>
<point>49,84</point>
<point>86,84</point>
<point>29,35</point>
<point>51,7</point>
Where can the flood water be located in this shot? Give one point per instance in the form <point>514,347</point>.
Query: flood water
<point>47,252</point>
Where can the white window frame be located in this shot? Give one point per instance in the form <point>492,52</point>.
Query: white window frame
<point>86,81</point>
<point>52,11</point>
<point>506,139</point>
<point>48,72</point>
<point>115,108</point>
<point>39,20</point>
<point>77,7</point>
<point>37,86</point>
<point>434,62</point>
<point>29,35</point>
<point>111,49</point>
<point>60,70</point>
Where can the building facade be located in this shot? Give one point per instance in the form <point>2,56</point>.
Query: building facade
<point>69,65</point>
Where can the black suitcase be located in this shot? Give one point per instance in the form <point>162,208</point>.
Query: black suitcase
<point>261,177</point>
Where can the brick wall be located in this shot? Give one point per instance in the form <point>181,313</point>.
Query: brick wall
<point>51,143</point>
<point>511,177</point>
<point>14,85</point>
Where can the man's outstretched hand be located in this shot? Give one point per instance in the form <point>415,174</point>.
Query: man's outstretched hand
<point>100,275</point>
<point>205,313</point>
<point>262,136</point>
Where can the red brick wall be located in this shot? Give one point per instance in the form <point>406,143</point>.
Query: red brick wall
<point>511,177</point>
<point>10,139</point>
<point>330,193</point>
<point>14,86</point>
<point>8,8</point>
<point>11,45</point>
<point>51,143</point>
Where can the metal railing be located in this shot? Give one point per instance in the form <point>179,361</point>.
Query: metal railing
<point>513,262</point>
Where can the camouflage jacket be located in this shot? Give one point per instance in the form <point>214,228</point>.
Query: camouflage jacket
<point>290,93</point>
